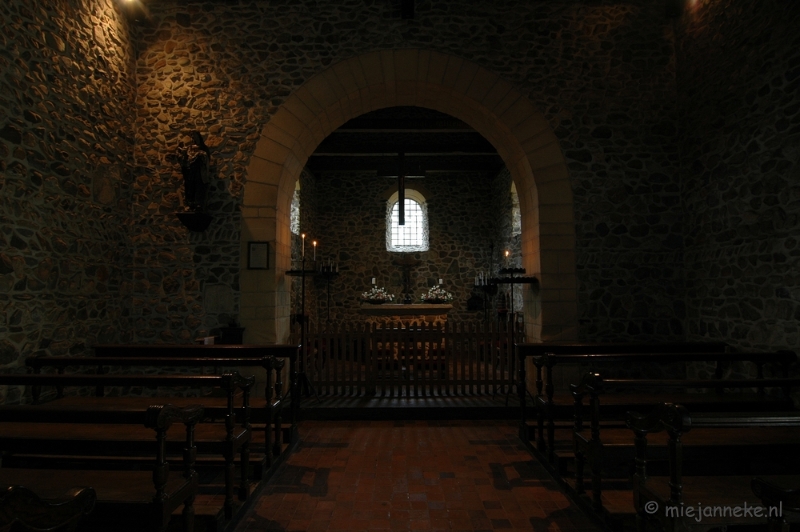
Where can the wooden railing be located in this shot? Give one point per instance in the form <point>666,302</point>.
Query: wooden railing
<point>402,360</point>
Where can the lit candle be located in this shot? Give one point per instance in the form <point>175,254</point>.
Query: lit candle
<point>507,253</point>
<point>314,243</point>
<point>303,248</point>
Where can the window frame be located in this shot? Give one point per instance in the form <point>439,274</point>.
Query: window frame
<point>415,196</point>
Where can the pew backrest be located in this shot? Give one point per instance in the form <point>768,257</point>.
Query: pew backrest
<point>196,351</point>
<point>676,420</point>
<point>228,381</point>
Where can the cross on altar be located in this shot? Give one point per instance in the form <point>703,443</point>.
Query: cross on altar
<point>407,262</point>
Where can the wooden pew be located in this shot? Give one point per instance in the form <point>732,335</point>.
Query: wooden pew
<point>525,351</point>
<point>552,406</point>
<point>676,500</point>
<point>128,500</point>
<point>216,439</point>
<point>270,414</point>
<point>288,352</point>
<point>22,508</point>
<point>596,448</point>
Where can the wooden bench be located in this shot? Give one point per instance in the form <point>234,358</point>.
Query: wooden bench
<point>213,439</point>
<point>676,500</point>
<point>278,406</point>
<point>609,447</point>
<point>270,414</point>
<point>128,500</point>
<point>552,406</point>
<point>525,351</point>
<point>22,508</point>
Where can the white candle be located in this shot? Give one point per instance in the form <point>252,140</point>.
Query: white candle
<point>507,253</point>
<point>440,281</point>
<point>303,248</point>
<point>373,280</point>
<point>314,243</point>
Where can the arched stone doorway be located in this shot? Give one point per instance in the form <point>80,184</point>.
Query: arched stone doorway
<point>446,83</point>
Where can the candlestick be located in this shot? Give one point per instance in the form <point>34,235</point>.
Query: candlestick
<point>314,243</point>
<point>303,248</point>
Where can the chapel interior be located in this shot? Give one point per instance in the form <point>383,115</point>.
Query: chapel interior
<point>399,265</point>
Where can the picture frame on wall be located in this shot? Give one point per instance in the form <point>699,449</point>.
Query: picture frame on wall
<point>258,255</point>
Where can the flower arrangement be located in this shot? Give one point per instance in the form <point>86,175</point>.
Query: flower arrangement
<point>437,294</point>
<point>377,296</point>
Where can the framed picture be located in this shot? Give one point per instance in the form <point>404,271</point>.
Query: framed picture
<point>258,255</point>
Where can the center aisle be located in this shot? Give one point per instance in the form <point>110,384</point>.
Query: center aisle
<point>412,475</point>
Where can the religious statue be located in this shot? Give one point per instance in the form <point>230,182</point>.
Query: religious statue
<point>195,161</point>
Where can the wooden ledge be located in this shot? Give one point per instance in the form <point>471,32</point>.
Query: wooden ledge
<point>395,309</point>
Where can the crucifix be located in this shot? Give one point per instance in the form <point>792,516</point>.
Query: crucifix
<point>402,174</point>
<point>401,189</point>
<point>407,262</point>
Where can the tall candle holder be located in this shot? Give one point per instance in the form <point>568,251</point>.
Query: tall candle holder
<point>329,272</point>
<point>302,375</point>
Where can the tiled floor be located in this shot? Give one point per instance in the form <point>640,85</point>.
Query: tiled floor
<point>412,475</point>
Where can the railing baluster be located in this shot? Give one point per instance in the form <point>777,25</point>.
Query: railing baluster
<point>414,359</point>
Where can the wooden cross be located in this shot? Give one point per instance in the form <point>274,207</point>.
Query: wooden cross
<point>401,172</point>
<point>401,189</point>
<point>407,262</point>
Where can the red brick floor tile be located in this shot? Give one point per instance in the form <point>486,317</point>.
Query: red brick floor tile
<point>412,475</point>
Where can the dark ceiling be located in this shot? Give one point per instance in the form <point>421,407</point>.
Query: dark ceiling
<point>431,141</point>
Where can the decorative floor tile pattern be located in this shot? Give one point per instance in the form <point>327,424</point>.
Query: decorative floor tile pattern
<point>412,475</point>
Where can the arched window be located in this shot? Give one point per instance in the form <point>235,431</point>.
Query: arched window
<point>516,215</point>
<point>294,211</point>
<point>413,236</point>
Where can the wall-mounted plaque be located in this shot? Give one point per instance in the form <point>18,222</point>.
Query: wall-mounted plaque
<point>258,255</point>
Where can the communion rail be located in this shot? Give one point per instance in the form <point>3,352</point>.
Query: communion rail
<point>410,360</point>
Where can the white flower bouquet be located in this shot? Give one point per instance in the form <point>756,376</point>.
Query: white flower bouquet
<point>436,294</point>
<point>376,296</point>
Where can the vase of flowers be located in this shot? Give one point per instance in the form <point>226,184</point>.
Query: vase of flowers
<point>377,296</point>
<point>436,295</point>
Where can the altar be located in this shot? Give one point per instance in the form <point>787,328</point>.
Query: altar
<point>429,314</point>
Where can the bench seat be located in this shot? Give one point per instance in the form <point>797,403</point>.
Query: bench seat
<point>110,438</point>
<point>617,404</point>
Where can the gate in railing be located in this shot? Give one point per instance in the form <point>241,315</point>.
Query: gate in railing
<point>410,360</point>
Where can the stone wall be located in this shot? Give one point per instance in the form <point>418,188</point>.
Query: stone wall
<point>602,72</point>
<point>739,81</point>
<point>91,250</point>
<point>66,141</point>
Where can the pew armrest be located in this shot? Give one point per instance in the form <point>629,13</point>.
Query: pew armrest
<point>772,495</point>
<point>160,418</point>
<point>21,506</point>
